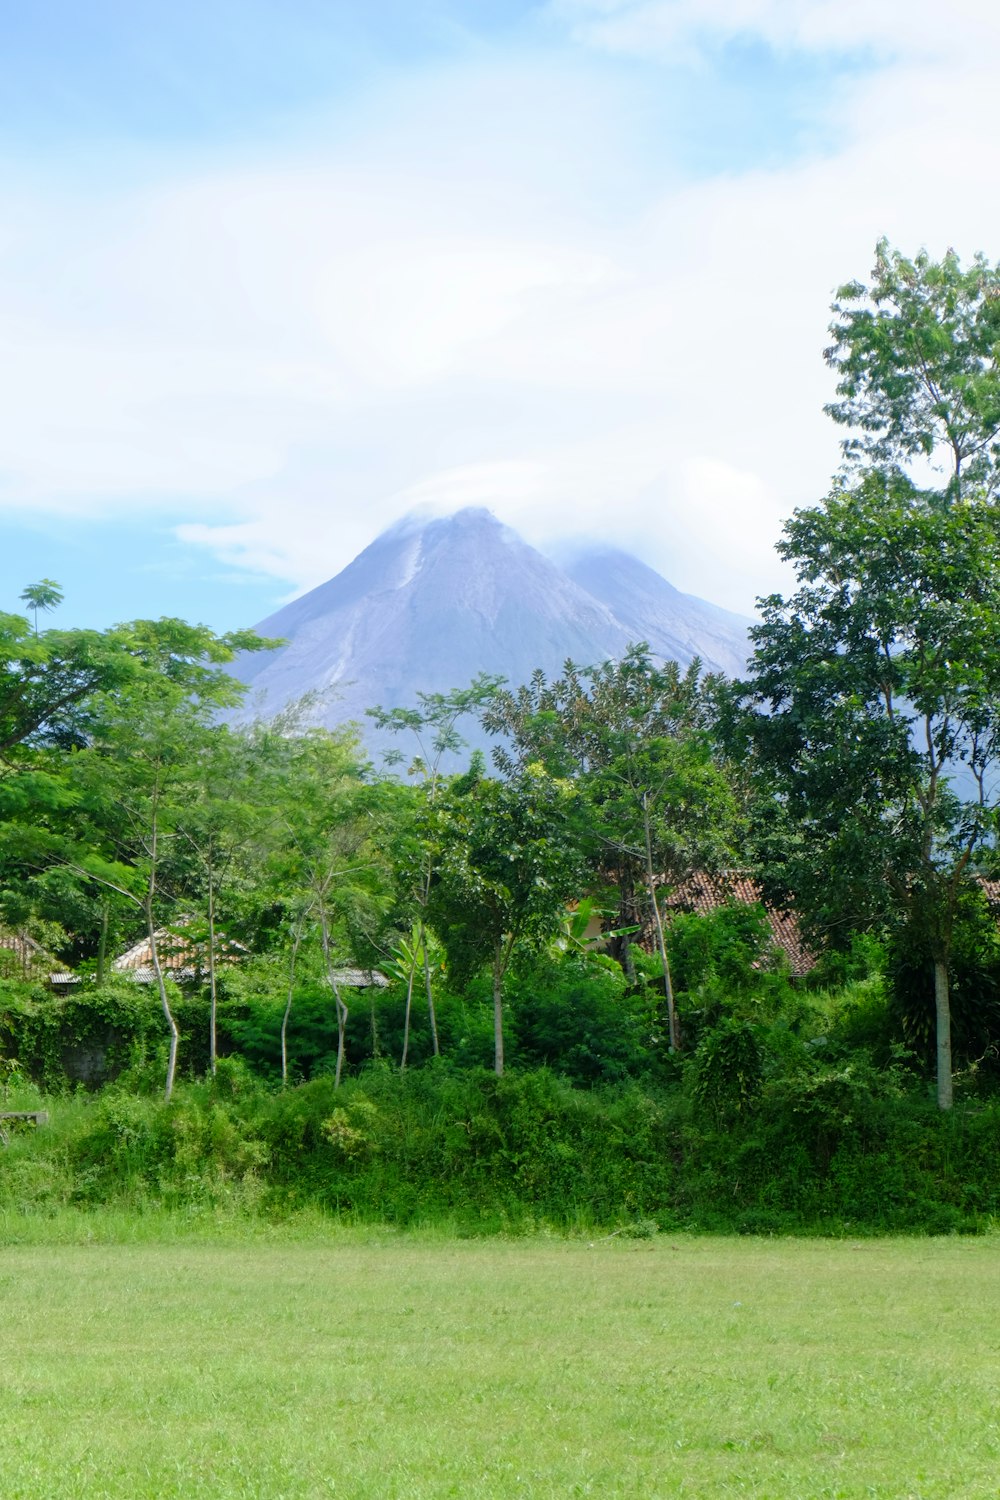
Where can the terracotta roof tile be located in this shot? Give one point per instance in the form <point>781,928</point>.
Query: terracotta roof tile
<point>183,958</point>
<point>703,893</point>
<point>20,952</point>
<point>180,955</point>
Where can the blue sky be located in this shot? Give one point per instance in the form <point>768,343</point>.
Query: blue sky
<point>274,274</point>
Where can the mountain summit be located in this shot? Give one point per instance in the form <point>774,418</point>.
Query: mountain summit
<point>429,604</point>
<point>677,626</point>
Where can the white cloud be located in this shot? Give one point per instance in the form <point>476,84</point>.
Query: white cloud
<point>469,293</point>
<point>890,28</point>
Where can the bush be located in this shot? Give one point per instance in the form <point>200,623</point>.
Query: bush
<point>728,1070</point>
<point>974,974</point>
<point>87,1037</point>
<point>730,948</point>
<point>577,1017</point>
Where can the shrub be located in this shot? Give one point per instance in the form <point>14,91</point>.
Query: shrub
<point>728,1070</point>
<point>577,1017</point>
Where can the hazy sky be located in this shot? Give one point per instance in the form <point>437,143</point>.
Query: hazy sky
<point>275,272</point>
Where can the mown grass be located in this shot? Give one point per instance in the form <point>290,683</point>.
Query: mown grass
<point>295,1362</point>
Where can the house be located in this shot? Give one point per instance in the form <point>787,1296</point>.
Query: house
<point>22,958</point>
<point>185,960</point>
<point>181,956</point>
<point>703,894</point>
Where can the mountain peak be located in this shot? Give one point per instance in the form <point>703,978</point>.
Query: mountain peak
<point>433,601</point>
<point>469,518</point>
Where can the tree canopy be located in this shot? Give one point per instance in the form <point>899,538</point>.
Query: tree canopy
<point>878,681</point>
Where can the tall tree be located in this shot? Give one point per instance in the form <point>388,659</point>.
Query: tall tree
<point>916,352</point>
<point>509,862</point>
<point>332,868</point>
<point>132,778</point>
<point>47,682</point>
<point>877,684</point>
<point>654,803</point>
<point>44,595</point>
<point>434,728</point>
<point>223,821</point>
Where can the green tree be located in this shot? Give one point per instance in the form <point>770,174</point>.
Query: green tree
<point>879,678</point>
<point>878,690</point>
<point>330,867</point>
<point>655,802</point>
<point>131,782</point>
<point>433,726</point>
<point>47,681</point>
<point>917,357</point>
<point>509,861</point>
<point>221,821</point>
<point>44,595</point>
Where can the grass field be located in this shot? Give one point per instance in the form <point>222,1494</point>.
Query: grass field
<point>355,1364</point>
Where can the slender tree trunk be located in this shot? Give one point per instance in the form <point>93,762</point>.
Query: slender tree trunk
<point>288,1010</point>
<point>422,939</point>
<point>498,1009</point>
<point>621,947</point>
<point>341,1033</point>
<point>942,1008</point>
<point>102,943</point>
<point>409,1002</point>
<point>668,986</point>
<point>627,958</point>
<point>213,1004</point>
<point>175,1036</point>
<point>342,1011</point>
<point>373,1020</point>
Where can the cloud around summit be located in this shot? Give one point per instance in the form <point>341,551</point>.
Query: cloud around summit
<point>573,264</point>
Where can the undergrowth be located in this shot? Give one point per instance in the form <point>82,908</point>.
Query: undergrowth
<point>846,1149</point>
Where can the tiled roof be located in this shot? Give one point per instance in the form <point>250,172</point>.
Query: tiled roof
<point>360,979</point>
<point>991,890</point>
<point>349,979</point>
<point>706,893</point>
<point>20,953</point>
<point>184,959</point>
<point>180,955</point>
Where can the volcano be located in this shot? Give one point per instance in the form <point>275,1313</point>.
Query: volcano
<point>432,603</point>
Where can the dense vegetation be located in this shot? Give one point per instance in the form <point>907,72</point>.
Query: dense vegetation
<point>519,1066</point>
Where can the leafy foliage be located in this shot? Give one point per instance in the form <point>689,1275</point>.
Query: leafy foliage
<point>728,1070</point>
<point>665,1071</point>
<point>915,353</point>
<point>877,683</point>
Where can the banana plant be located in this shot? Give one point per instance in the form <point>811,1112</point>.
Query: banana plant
<point>408,956</point>
<point>573,936</point>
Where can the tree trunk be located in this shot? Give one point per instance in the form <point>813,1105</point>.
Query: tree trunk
<point>627,960</point>
<point>342,1014</point>
<point>213,1003</point>
<point>288,1010</point>
<point>498,968</point>
<point>668,986</point>
<point>102,944</point>
<point>175,1036</point>
<point>942,1008</point>
<point>373,1022</point>
<point>406,1020</point>
<point>628,916</point>
<point>342,1011</point>
<point>673,1030</point>
<point>422,939</point>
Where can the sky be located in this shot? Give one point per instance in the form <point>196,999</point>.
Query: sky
<point>274,273</point>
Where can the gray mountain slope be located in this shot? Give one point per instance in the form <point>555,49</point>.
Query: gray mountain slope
<point>677,626</point>
<point>429,604</point>
<point>426,607</point>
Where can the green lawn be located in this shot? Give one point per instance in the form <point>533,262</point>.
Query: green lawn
<point>353,1364</point>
